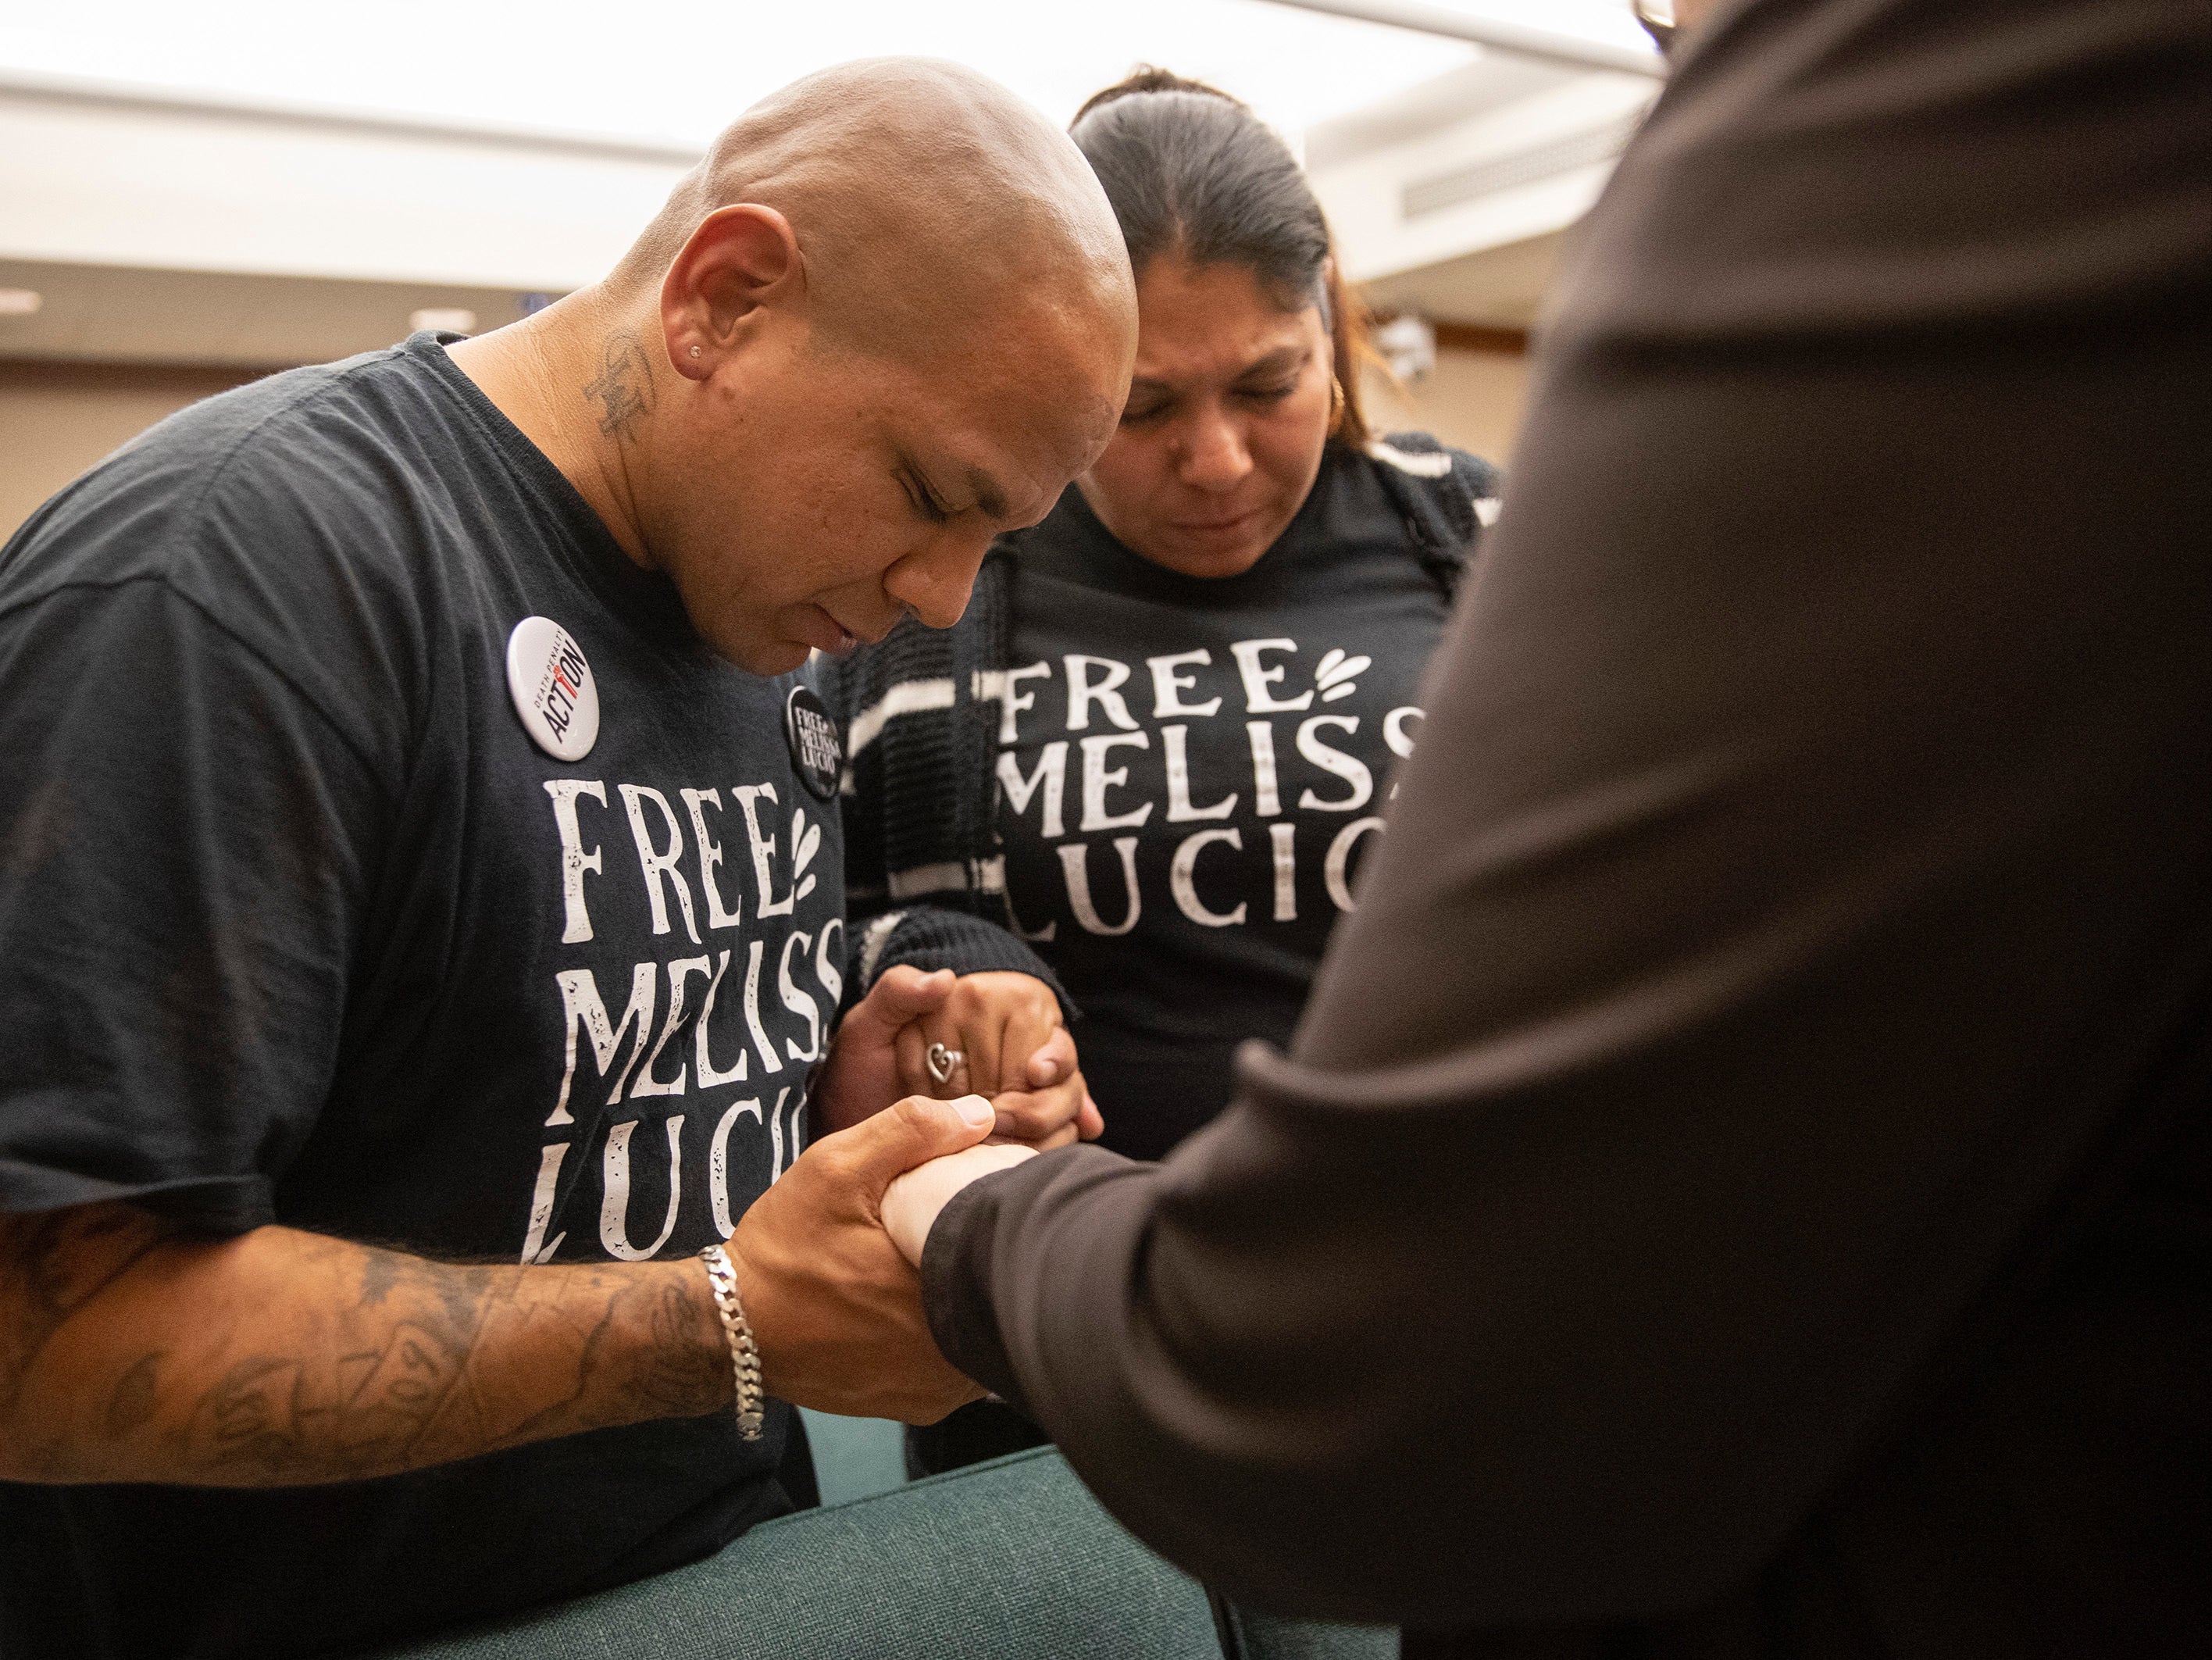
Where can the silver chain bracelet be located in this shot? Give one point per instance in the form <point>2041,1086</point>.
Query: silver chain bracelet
<point>745,1354</point>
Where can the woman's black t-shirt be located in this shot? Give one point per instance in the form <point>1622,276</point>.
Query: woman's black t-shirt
<point>1189,769</point>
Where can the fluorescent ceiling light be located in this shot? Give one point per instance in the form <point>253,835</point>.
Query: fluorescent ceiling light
<point>453,319</point>
<point>20,302</point>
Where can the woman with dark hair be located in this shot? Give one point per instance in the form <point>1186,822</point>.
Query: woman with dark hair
<point>1153,748</point>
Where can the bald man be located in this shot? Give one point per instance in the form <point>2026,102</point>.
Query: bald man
<point>420,829</point>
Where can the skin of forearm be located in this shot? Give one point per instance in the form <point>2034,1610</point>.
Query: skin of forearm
<point>133,1350</point>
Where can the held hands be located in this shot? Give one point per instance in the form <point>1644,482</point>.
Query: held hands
<point>1000,1034</point>
<point>835,1306</point>
<point>995,1034</point>
<point>835,1303</point>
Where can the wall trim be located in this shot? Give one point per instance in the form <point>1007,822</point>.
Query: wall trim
<point>1481,336</point>
<point>114,375</point>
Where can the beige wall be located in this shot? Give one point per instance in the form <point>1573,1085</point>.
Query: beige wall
<point>1473,399</point>
<point>54,424</point>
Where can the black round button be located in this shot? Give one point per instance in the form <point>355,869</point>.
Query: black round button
<point>816,754</point>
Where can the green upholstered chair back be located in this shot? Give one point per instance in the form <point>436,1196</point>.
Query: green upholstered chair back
<point>1008,1560</point>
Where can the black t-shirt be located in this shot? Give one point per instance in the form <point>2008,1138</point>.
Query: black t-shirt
<point>1190,770</point>
<point>298,923</point>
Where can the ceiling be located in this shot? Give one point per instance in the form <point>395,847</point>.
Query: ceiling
<point>676,71</point>
<point>352,218</point>
<point>1500,288</point>
<point>1491,81</point>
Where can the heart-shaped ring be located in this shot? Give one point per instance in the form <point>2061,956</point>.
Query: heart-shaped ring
<point>942,1061</point>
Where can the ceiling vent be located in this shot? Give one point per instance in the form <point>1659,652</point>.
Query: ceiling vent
<point>1463,184</point>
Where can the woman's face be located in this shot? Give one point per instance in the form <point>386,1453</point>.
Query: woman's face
<point>1228,411</point>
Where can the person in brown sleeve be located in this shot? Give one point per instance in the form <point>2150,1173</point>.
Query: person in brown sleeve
<point>1742,1185</point>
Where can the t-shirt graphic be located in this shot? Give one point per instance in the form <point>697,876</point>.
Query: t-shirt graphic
<point>1188,773</point>
<point>691,1043</point>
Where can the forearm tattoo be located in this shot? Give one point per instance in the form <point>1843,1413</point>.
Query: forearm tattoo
<point>333,1361</point>
<point>52,1265</point>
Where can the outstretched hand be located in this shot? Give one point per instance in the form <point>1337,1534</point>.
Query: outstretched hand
<point>835,1307</point>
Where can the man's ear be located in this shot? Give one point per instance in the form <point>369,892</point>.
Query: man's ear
<point>741,258</point>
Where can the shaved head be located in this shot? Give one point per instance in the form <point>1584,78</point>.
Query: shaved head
<point>890,316</point>
<point>924,198</point>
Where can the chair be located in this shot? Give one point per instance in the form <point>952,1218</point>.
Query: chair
<point>1008,1560</point>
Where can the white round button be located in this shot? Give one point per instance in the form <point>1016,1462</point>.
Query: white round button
<point>552,687</point>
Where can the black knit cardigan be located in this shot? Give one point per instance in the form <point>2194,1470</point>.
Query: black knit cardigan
<point>924,873</point>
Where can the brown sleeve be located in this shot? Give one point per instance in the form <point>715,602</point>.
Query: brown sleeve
<point>1802,878</point>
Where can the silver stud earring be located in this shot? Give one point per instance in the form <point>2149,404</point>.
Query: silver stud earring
<point>694,351</point>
